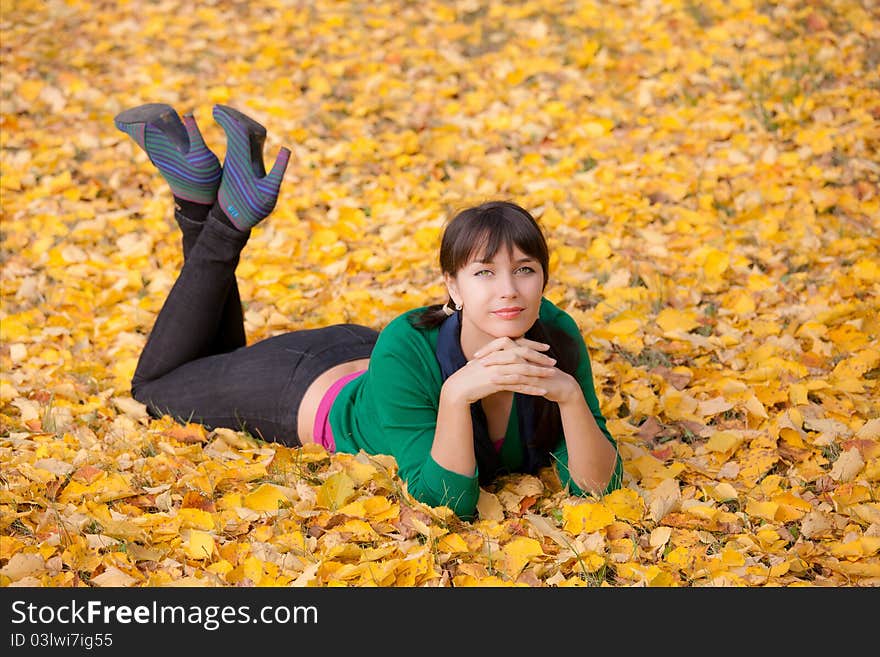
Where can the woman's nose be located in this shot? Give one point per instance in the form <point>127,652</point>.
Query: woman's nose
<point>507,286</point>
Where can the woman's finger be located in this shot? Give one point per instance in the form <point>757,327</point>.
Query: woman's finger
<point>536,356</point>
<point>519,355</point>
<point>532,344</point>
<point>494,345</point>
<point>532,374</point>
<point>503,357</point>
<point>527,390</point>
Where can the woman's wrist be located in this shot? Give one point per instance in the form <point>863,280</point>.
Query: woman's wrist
<point>574,393</point>
<point>450,394</point>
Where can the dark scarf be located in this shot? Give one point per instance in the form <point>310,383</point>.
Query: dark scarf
<point>451,359</point>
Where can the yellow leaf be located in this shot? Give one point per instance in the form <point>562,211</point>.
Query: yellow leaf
<point>620,328</point>
<point>586,517</point>
<point>221,567</point>
<point>599,248</point>
<point>716,263</point>
<point>870,430</point>
<point>671,319</point>
<point>847,465</point>
<point>113,577</point>
<point>233,438</point>
<point>597,127</point>
<point>290,541</point>
<point>791,507</point>
<point>198,545</point>
<point>702,511</point>
<point>7,391</point>
<point>359,472</point>
<point>849,494</point>
<point>483,582</point>
<point>680,406</point>
<point>358,529</point>
<point>660,537</point>
<point>714,406</point>
<point>518,552</point>
<point>771,485</point>
<point>243,472</point>
<point>724,441</point>
<point>30,89</point>
<point>379,508</point>
<point>452,543</point>
<point>195,519</point>
<point>731,557</point>
<point>765,510</point>
<point>663,579</point>
<point>489,507</point>
<point>664,498</point>
<point>427,237</point>
<point>723,492</point>
<point>866,269</point>
<point>23,565</point>
<point>797,393</point>
<point>755,407</point>
<point>335,491</point>
<point>870,545</point>
<point>850,550</point>
<point>679,556</point>
<point>590,561</point>
<point>219,94</point>
<point>267,497</point>
<point>625,504</point>
<point>741,303</point>
<point>252,569</point>
<point>230,501</point>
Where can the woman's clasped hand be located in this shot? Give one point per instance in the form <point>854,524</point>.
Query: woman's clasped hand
<point>512,365</point>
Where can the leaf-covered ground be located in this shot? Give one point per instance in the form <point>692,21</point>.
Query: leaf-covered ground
<point>706,172</point>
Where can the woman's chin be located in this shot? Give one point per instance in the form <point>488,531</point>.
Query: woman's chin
<point>510,329</point>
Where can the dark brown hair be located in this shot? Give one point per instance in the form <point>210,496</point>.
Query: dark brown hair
<point>490,226</point>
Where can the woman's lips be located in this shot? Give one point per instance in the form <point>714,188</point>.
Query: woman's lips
<point>507,314</point>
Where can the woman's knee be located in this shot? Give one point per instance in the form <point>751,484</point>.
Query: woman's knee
<point>137,388</point>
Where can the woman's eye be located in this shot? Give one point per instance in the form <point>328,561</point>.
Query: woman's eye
<point>528,269</point>
<point>482,271</point>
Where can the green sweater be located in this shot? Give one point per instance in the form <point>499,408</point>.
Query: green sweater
<point>392,409</point>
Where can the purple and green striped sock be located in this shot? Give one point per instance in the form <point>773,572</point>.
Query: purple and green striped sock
<point>176,148</point>
<point>247,194</point>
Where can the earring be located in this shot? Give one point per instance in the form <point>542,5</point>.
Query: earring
<point>458,306</point>
<point>447,310</point>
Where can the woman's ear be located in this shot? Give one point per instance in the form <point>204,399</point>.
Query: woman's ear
<point>452,288</point>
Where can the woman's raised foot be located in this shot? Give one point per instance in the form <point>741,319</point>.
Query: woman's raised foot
<point>176,148</point>
<point>247,194</point>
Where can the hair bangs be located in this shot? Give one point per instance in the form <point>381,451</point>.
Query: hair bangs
<point>487,230</point>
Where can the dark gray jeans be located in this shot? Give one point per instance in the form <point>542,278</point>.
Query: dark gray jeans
<point>196,367</point>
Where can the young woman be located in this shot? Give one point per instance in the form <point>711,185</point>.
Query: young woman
<point>497,379</point>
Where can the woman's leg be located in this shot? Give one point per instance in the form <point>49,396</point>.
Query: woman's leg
<point>188,322</point>
<point>229,334</point>
<point>181,369</point>
<point>257,388</point>
<point>245,195</point>
<point>193,173</point>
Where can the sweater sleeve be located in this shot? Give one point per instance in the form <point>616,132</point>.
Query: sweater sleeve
<point>584,376</point>
<point>407,418</point>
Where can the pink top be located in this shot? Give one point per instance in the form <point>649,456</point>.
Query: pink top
<point>322,433</point>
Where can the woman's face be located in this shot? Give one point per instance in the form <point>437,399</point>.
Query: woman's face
<point>498,298</point>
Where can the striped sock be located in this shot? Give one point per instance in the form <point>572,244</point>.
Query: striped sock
<point>247,194</point>
<point>176,148</point>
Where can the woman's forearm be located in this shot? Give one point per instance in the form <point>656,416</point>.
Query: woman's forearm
<point>453,446</point>
<point>591,456</point>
